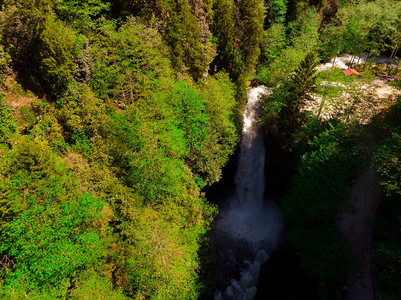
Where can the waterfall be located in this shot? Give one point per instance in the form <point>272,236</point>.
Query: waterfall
<point>249,178</point>
<point>248,227</point>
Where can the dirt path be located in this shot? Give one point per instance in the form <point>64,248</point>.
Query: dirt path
<point>358,227</point>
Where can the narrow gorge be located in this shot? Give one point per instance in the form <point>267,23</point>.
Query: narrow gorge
<point>248,227</point>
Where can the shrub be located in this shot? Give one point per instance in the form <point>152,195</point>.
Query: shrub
<point>130,64</point>
<point>39,44</point>
<point>28,115</point>
<point>7,122</point>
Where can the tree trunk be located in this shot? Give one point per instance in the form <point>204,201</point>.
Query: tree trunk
<point>371,48</point>
<point>395,48</point>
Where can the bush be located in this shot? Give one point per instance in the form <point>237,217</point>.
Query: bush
<point>45,234</point>
<point>7,122</point>
<point>163,261</point>
<point>326,169</point>
<point>80,113</point>
<point>284,55</point>
<point>130,64</point>
<point>27,115</point>
<point>48,232</point>
<point>55,47</point>
<point>5,61</point>
<point>387,235</point>
<point>82,15</point>
<point>39,44</point>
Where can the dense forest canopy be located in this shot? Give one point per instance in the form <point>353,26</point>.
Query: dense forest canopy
<point>116,116</point>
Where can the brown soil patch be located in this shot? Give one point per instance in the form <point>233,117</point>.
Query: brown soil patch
<point>17,97</point>
<point>15,94</point>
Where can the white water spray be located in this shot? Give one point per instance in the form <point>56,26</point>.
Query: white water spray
<point>248,220</point>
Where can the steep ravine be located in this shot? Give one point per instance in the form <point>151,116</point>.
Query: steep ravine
<point>248,227</point>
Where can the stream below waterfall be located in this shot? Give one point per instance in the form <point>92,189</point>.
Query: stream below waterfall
<point>248,227</point>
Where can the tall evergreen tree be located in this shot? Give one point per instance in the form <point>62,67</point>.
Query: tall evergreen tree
<point>251,22</point>
<point>223,29</point>
<point>305,75</point>
<point>300,85</point>
<point>279,10</point>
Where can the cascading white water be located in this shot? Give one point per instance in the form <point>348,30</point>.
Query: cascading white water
<point>248,221</point>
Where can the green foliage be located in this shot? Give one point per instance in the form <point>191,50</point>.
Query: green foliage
<point>33,169</point>
<point>390,165</point>
<point>152,143</point>
<point>81,14</point>
<point>303,33</point>
<point>151,151</point>
<point>47,125</point>
<point>56,61</point>
<point>362,27</point>
<point>5,62</point>
<point>48,229</point>
<point>92,286</point>
<point>80,113</point>
<point>300,85</point>
<point>149,165</point>
<point>305,75</point>
<point>387,230</point>
<point>184,27</point>
<point>183,36</point>
<point>238,27</point>
<point>183,132</point>
<point>215,151</point>
<point>191,106</point>
<point>274,41</point>
<point>162,264</point>
<point>84,60</point>
<point>223,28</point>
<point>331,41</point>
<point>27,115</point>
<point>285,55</point>
<point>7,121</point>
<point>102,197</point>
<point>130,63</point>
<point>251,20</point>
<point>281,112</point>
<point>39,43</point>
<point>31,13</point>
<point>279,10</point>
<point>32,157</point>
<point>396,83</point>
<point>325,171</point>
<point>50,242</point>
<point>208,146</point>
<point>23,290</point>
<point>335,75</point>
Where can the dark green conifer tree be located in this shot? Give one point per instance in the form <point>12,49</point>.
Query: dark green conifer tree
<point>223,29</point>
<point>40,46</point>
<point>279,10</point>
<point>251,22</point>
<point>300,85</point>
